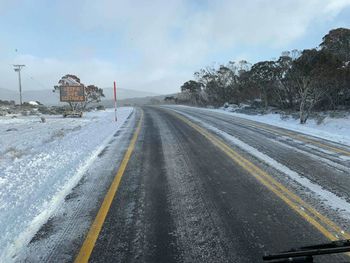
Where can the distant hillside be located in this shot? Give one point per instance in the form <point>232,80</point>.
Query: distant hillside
<point>48,97</point>
<point>150,100</point>
<point>126,93</point>
<point>6,94</point>
<point>44,96</point>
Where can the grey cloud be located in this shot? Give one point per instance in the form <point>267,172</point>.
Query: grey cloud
<point>174,39</point>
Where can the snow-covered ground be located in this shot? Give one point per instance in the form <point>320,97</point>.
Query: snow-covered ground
<point>40,163</point>
<point>333,129</point>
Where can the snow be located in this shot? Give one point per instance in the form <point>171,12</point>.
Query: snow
<point>330,199</point>
<point>331,163</point>
<point>333,129</point>
<point>34,103</point>
<point>40,163</point>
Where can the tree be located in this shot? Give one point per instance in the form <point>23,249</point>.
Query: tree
<point>192,86</point>
<point>69,79</point>
<point>208,79</point>
<point>247,90</point>
<point>222,84</point>
<point>204,76</point>
<point>191,91</point>
<point>184,97</point>
<point>92,92</point>
<point>154,101</point>
<point>315,79</point>
<point>225,83</point>
<point>337,42</point>
<point>343,96</point>
<point>243,66</point>
<point>263,75</point>
<point>283,89</point>
<point>169,99</point>
<point>312,74</point>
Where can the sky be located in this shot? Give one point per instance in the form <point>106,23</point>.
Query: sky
<point>148,45</point>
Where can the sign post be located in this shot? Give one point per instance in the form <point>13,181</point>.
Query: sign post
<point>115,101</point>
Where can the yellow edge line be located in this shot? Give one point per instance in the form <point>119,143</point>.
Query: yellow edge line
<point>291,199</point>
<point>299,137</point>
<point>90,240</point>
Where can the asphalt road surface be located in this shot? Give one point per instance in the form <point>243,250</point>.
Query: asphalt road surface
<point>190,195</point>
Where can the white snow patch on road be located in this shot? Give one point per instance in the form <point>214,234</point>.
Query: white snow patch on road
<point>330,199</point>
<point>333,129</point>
<point>338,166</point>
<point>39,165</point>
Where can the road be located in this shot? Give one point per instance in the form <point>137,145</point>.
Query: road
<point>190,195</point>
<point>182,184</point>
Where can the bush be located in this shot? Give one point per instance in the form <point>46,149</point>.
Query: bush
<point>284,116</point>
<point>320,119</point>
<point>100,107</point>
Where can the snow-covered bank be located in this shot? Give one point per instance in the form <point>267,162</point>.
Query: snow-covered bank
<point>40,163</point>
<point>333,129</point>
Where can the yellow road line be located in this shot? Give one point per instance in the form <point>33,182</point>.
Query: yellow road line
<point>327,227</point>
<point>299,137</point>
<point>90,240</point>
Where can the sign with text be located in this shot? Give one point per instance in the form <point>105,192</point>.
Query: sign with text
<point>72,94</point>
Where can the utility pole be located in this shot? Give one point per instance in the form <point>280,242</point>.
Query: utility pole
<point>18,68</point>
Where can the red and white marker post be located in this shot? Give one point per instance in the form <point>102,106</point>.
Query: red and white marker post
<point>115,101</point>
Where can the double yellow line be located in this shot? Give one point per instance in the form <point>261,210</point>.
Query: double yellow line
<point>298,137</point>
<point>326,226</point>
<point>95,229</point>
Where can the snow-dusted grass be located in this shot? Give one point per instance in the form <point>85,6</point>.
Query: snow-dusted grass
<point>333,129</point>
<point>40,163</point>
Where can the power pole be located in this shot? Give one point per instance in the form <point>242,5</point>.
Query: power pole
<point>18,68</point>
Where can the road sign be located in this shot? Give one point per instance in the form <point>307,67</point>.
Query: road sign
<point>72,94</point>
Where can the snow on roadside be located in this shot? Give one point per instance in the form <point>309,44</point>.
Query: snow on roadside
<point>333,129</point>
<point>40,163</point>
<point>333,201</point>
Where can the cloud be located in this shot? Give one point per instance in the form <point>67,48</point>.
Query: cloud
<point>174,38</point>
<point>45,72</point>
<point>275,23</point>
<point>149,24</point>
<point>173,34</point>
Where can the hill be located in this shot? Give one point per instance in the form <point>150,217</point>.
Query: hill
<point>48,97</point>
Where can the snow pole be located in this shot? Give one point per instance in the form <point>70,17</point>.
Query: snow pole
<point>115,101</point>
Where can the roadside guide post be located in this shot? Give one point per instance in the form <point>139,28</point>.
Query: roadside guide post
<point>115,101</point>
